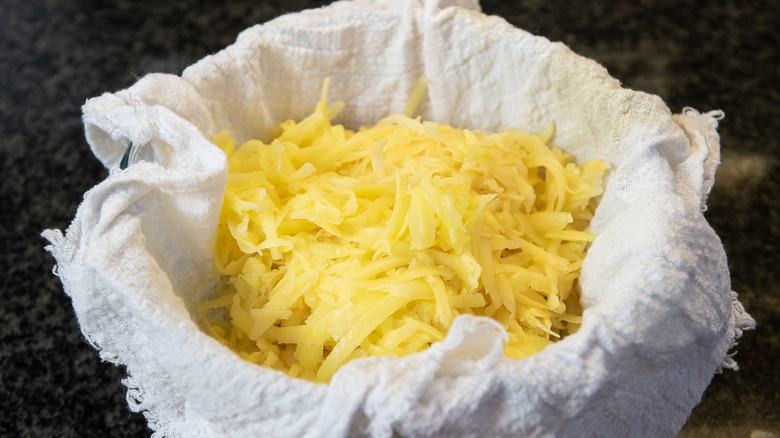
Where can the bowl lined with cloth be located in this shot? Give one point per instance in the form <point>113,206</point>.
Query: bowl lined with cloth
<point>659,316</point>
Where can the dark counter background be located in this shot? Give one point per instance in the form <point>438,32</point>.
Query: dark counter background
<point>56,54</point>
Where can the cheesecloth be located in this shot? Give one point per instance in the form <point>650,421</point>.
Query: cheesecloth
<point>660,316</point>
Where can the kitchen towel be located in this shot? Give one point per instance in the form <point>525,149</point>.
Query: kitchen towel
<point>660,318</point>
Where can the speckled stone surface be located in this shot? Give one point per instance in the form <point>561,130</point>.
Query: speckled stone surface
<point>56,54</point>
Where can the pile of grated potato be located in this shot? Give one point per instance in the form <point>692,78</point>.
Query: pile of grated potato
<point>335,245</point>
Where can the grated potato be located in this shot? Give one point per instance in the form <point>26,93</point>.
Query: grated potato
<point>335,245</point>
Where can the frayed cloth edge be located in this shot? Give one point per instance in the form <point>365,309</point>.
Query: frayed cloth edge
<point>742,322</point>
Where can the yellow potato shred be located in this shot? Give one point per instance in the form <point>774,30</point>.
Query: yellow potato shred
<point>334,245</point>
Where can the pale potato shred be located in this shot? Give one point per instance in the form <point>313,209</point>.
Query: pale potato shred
<point>334,245</point>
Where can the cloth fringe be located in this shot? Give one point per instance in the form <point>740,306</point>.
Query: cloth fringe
<point>742,322</point>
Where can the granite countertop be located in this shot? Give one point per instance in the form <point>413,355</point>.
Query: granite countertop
<point>56,54</point>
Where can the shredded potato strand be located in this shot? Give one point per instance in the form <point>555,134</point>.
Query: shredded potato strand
<point>334,245</point>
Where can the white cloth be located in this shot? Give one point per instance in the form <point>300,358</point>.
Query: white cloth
<point>660,316</point>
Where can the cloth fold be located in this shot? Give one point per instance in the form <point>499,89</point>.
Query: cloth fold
<point>660,315</point>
